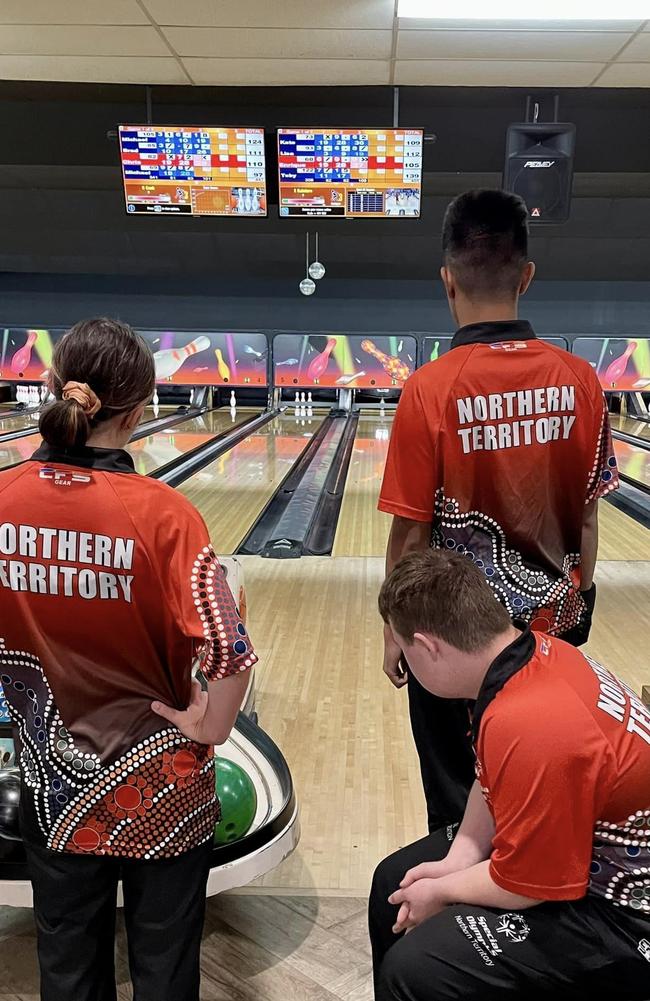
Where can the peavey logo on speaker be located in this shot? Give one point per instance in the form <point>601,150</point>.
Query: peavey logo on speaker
<point>539,163</point>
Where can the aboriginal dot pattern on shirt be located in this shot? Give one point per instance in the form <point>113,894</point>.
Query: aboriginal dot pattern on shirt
<point>157,799</point>
<point>620,868</point>
<point>548,603</point>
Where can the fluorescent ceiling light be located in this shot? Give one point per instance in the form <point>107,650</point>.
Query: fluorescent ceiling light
<point>534,10</point>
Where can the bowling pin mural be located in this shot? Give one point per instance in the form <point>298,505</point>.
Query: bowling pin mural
<point>168,361</point>
<point>222,367</point>
<point>23,356</point>
<point>394,367</point>
<point>318,366</point>
<point>616,369</point>
<point>435,352</point>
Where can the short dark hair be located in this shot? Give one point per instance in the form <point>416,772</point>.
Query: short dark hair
<point>445,595</point>
<point>485,242</point>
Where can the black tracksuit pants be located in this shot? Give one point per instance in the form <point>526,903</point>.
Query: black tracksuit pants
<point>585,950</point>
<point>441,730</point>
<point>75,908</point>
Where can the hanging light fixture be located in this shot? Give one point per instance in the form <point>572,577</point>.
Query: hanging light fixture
<point>316,269</point>
<point>307,286</point>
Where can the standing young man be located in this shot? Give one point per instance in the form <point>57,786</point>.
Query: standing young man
<point>500,451</point>
<point>545,890</point>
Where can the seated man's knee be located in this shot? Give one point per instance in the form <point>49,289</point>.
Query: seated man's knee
<point>386,879</point>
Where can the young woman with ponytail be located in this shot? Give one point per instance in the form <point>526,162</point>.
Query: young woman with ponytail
<point>109,588</point>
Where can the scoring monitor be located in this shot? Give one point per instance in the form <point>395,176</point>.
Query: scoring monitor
<point>367,173</point>
<point>195,171</point>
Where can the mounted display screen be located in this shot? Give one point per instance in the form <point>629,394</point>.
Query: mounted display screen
<point>368,173</point>
<point>190,358</point>
<point>621,363</point>
<point>26,353</point>
<point>196,171</point>
<point>373,361</point>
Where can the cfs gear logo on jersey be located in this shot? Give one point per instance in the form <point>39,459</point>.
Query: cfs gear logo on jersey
<point>545,646</point>
<point>509,346</point>
<point>62,477</point>
<point>644,948</point>
<point>513,927</point>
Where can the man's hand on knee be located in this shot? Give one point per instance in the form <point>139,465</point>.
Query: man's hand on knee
<point>417,903</point>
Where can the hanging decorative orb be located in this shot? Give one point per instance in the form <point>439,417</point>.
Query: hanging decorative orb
<point>317,270</point>
<point>307,286</point>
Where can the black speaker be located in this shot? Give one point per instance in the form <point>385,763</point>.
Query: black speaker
<point>539,167</point>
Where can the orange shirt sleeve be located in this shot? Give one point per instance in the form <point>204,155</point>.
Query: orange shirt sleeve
<point>544,776</point>
<point>411,476</point>
<point>604,473</point>
<point>205,609</point>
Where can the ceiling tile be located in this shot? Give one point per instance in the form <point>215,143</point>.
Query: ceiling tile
<point>280,43</point>
<point>273,13</point>
<point>565,46</point>
<point>626,75</point>
<point>81,40</point>
<point>71,12</point>
<point>638,51</point>
<point>474,73</point>
<point>285,72</point>
<point>92,69</point>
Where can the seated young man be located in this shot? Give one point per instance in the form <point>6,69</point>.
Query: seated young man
<point>544,890</point>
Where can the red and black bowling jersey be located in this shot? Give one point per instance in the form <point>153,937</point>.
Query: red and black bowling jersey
<point>500,444</point>
<point>109,588</point>
<point>563,759</point>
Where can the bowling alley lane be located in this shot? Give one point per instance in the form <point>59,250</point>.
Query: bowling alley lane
<point>17,422</point>
<point>630,425</point>
<point>232,491</point>
<point>157,448</point>
<point>363,530</point>
<point>633,462</point>
<point>163,446</point>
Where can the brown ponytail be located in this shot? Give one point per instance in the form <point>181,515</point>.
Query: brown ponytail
<point>98,362</point>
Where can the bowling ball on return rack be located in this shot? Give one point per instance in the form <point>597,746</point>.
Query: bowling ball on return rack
<point>238,798</point>
<point>9,803</point>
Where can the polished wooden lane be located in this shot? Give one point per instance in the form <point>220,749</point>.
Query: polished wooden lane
<point>232,491</point>
<point>363,530</point>
<point>23,448</point>
<point>633,462</point>
<point>163,446</point>
<point>630,425</point>
<point>157,448</point>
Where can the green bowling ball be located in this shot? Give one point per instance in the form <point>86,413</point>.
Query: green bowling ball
<point>238,799</point>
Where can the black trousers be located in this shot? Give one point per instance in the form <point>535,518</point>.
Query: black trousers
<point>583,950</point>
<point>75,910</point>
<point>441,733</point>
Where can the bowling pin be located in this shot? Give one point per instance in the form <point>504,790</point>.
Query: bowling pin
<point>23,356</point>
<point>319,364</point>
<point>310,411</point>
<point>168,361</point>
<point>616,370</point>
<point>382,408</point>
<point>233,400</point>
<point>255,205</point>
<point>155,400</point>
<point>233,414</point>
<point>297,399</point>
<point>303,399</point>
<point>222,368</point>
<point>156,409</point>
<point>309,399</point>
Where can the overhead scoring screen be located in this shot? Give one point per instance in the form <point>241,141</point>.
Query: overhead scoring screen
<point>350,172</point>
<point>183,170</point>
